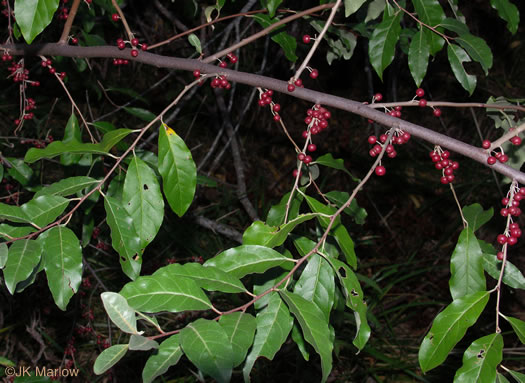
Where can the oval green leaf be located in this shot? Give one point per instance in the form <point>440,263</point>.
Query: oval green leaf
<point>178,171</point>
<point>68,186</point>
<point>33,16</point>
<point>477,49</point>
<point>120,312</point>
<point>456,57</point>
<point>418,55</point>
<point>109,357</point>
<point>508,12</point>
<point>240,330</point>
<point>382,44</point>
<point>518,326</point>
<point>63,264</point>
<point>449,327</point>
<point>481,360</point>
<point>24,256</point>
<point>44,209</point>
<point>206,345</point>
<point>168,355</point>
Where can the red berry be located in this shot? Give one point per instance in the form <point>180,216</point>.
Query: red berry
<point>307,160</point>
<point>516,233</point>
<point>276,108</point>
<point>512,240</point>
<point>301,157</point>
<point>372,140</point>
<point>291,87</point>
<point>134,42</point>
<point>306,39</point>
<point>383,138</point>
<point>500,256</point>
<point>437,112</point>
<point>134,53</point>
<point>491,160</point>
<point>312,148</point>
<point>380,170</point>
<point>52,70</point>
<point>197,73</point>
<point>422,103</point>
<point>233,59</point>
<point>299,82</point>
<point>503,158</point>
<point>378,97</point>
<point>144,47</point>
<point>223,64</point>
<point>420,92</point>
<point>486,144</point>
<point>115,17</point>
<point>305,134</point>
<point>502,239</point>
<point>276,117</point>
<point>314,73</point>
<point>74,40</point>
<point>515,140</point>
<point>295,173</point>
<point>121,45</point>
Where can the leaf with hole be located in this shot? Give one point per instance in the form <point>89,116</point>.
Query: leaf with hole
<point>178,171</point>
<point>207,277</point>
<point>24,257</point>
<point>169,354</point>
<point>33,16</point>
<point>480,360</point>
<point>143,200</point>
<point>119,311</point>
<point>62,264</point>
<point>449,327</point>
<point>247,259</point>
<point>477,49</point>
<point>124,237</point>
<point>160,292</point>
<point>274,323</point>
<point>240,330</point>
<point>466,266</point>
<point>206,345</point>
<point>314,326</point>
<point>109,357</point>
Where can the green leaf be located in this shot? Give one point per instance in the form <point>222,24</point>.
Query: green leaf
<point>63,264</point>
<point>382,44</point>
<point>247,259</point>
<point>143,114</point>
<point>195,42</point>
<point>354,300</point>
<point>68,186</point>
<point>520,378</point>
<point>168,355</point>
<point>3,255</point>
<point>271,6</point>
<point>340,233</point>
<point>274,323</point>
<point>329,161</point>
<point>143,200</point>
<point>314,326</point>
<point>501,379</point>
<point>44,209</point>
<point>518,326</point>
<point>298,338</point>
<point>351,6</point>
<point>375,8</point>
<point>141,343</point>
<point>481,360</point>
<point>287,42</point>
<point>10,232</point>
<point>206,345</point>
<point>512,276</point>
<point>261,234</point>
<point>466,266</point>
<point>449,327</point>
<point>124,238</point>
<point>508,12</point>
<point>478,49</point>
<point>33,16</point>
<point>19,170</point>
<point>119,311</point>
<point>207,277</point>
<point>316,284</point>
<point>354,210</point>
<point>454,26</point>
<point>431,13</point>
<point>277,212</point>
<point>24,256</point>
<point>418,55</point>
<point>57,148</point>
<point>72,135</point>
<point>456,57</point>
<point>178,171</point>
<point>476,216</point>
<point>109,357</point>
<point>154,293</point>
<point>240,330</point>
<point>13,213</point>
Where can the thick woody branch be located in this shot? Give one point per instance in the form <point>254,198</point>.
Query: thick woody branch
<point>341,103</point>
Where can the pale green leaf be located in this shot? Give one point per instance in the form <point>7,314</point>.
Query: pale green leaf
<point>3,254</point>
<point>351,6</point>
<point>109,357</point>
<point>24,257</point>
<point>119,311</point>
<point>512,276</point>
<point>141,343</point>
<point>240,330</point>
<point>168,355</point>
<point>195,42</point>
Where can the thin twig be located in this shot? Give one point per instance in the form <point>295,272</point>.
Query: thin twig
<point>69,22</point>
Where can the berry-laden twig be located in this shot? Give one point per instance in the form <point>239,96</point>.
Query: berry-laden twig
<point>509,136</point>
<point>69,22</point>
<point>509,237</point>
<point>317,41</point>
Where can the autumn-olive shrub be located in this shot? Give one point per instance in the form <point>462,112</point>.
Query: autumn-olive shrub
<point>304,276</point>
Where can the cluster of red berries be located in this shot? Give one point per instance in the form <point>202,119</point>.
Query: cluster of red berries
<point>231,57</point>
<point>70,347</point>
<point>117,62</point>
<point>511,209</point>
<point>442,161</point>
<point>20,74</point>
<point>399,137</point>
<point>6,56</point>
<point>86,282</point>
<point>220,82</point>
<point>5,12</point>
<point>134,42</point>
<point>496,156</point>
<point>37,143</point>
<point>316,119</point>
<point>49,65</point>
<point>265,98</point>
<point>104,343</point>
<point>88,314</point>
<point>396,112</point>
<point>83,330</point>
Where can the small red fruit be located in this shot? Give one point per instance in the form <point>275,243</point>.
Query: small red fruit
<point>115,17</point>
<point>306,39</point>
<point>380,170</point>
<point>312,148</point>
<point>134,53</point>
<point>420,92</point>
<point>437,112</point>
<point>378,97</point>
<point>291,87</point>
<point>486,144</point>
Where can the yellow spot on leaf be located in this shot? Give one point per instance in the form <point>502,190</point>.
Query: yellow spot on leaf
<point>169,131</point>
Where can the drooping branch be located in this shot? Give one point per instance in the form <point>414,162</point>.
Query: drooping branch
<point>472,152</point>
